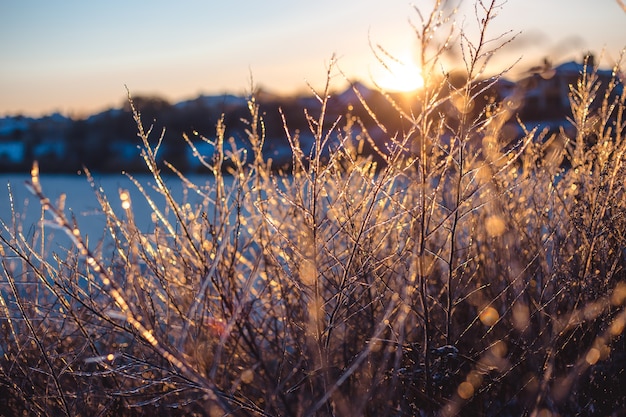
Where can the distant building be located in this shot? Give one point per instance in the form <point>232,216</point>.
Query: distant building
<point>12,152</point>
<point>51,147</point>
<point>12,144</point>
<point>546,92</point>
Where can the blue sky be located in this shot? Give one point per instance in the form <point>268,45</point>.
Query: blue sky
<point>76,56</point>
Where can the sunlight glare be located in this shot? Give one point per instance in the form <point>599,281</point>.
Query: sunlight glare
<point>403,75</point>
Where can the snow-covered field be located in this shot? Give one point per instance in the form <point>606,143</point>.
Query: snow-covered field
<point>80,201</point>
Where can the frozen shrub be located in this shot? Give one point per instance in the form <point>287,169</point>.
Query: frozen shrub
<point>455,272</point>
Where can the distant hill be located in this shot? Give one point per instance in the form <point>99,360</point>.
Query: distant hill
<point>107,141</point>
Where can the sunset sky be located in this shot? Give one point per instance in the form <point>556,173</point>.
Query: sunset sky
<point>75,57</point>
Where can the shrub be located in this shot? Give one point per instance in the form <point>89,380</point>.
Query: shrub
<point>455,272</point>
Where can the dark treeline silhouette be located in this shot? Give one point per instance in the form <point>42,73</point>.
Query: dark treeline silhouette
<point>108,142</point>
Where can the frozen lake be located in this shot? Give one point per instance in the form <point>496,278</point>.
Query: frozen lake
<point>81,201</point>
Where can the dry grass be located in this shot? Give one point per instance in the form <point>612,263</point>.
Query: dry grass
<point>464,275</point>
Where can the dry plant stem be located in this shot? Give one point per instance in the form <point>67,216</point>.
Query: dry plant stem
<point>316,177</point>
<point>44,352</point>
<point>149,156</point>
<point>111,287</point>
<point>39,270</point>
<point>424,128</point>
<point>355,364</point>
<point>423,124</point>
<point>475,64</point>
<point>353,284</point>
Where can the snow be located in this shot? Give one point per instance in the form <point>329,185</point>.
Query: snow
<point>82,202</point>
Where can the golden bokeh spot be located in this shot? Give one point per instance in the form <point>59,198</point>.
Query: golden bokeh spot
<point>247,376</point>
<point>125,198</point>
<point>307,272</point>
<point>495,226</point>
<point>513,103</point>
<point>593,310</point>
<point>605,352</point>
<point>499,349</point>
<point>544,412</point>
<point>475,378</point>
<point>465,390</point>
<point>593,356</point>
<point>484,174</point>
<point>215,410</point>
<point>375,345</point>
<point>462,102</point>
<point>603,349</point>
<point>216,326</point>
<point>490,147</point>
<point>489,316</point>
<point>521,316</point>
<point>619,294</point>
<point>617,327</point>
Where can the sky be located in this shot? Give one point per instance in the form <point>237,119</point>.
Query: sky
<point>77,57</point>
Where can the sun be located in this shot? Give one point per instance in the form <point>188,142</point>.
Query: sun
<point>399,76</point>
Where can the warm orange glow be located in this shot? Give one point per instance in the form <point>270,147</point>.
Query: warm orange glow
<point>489,316</point>
<point>403,75</point>
<point>465,390</point>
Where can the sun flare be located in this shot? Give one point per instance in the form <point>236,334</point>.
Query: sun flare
<point>400,76</point>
